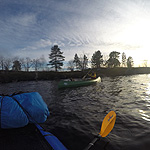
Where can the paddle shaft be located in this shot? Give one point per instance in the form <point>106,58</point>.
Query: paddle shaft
<point>87,74</point>
<point>93,142</point>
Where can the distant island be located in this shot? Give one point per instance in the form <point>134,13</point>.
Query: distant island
<point>16,76</point>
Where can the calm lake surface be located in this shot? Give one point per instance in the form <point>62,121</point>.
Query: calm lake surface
<point>77,114</point>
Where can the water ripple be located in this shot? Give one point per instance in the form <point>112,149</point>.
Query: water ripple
<point>77,114</point>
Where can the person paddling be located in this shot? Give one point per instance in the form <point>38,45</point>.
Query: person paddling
<point>92,75</point>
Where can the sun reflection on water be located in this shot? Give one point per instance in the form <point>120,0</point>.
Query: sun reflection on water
<point>144,115</point>
<point>148,88</point>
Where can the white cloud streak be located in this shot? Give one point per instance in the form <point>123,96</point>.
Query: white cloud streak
<point>76,26</point>
<point>38,45</point>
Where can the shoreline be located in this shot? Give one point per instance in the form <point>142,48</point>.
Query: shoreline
<point>11,76</point>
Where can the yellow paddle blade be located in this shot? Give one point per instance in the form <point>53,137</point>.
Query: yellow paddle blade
<point>108,124</point>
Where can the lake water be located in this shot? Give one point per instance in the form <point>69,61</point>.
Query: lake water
<point>77,114</point>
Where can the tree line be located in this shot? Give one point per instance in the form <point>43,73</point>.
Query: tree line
<point>56,61</point>
<point>19,64</point>
<point>81,63</point>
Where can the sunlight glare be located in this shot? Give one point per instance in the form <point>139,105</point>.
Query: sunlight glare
<point>136,35</point>
<point>144,115</point>
<point>148,88</point>
<point>138,32</point>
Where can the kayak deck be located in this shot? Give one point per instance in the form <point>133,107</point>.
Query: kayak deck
<point>25,138</point>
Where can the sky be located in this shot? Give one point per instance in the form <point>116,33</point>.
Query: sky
<point>29,28</point>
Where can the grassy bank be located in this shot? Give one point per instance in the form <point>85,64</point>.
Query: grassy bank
<point>11,76</point>
<point>15,76</point>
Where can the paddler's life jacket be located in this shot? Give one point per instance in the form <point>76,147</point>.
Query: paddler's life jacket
<point>93,75</point>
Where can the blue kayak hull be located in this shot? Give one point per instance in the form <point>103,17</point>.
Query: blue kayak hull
<point>51,139</point>
<point>30,137</point>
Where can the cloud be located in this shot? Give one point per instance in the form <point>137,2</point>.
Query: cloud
<point>34,26</point>
<point>43,43</point>
<point>24,20</point>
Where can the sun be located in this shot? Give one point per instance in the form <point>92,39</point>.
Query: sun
<point>136,35</point>
<point>140,57</point>
<point>137,32</point>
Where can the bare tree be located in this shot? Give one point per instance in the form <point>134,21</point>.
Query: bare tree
<point>26,63</point>
<point>43,62</point>
<point>2,59</point>
<point>38,63</point>
<point>145,63</point>
<point>7,63</point>
<point>71,65</point>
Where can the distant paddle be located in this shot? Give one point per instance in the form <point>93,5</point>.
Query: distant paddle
<point>107,126</point>
<point>86,74</point>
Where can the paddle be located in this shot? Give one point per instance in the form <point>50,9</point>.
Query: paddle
<point>87,74</point>
<point>107,126</point>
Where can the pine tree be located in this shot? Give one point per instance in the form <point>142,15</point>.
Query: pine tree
<point>56,58</point>
<point>81,63</point>
<point>16,65</point>
<point>85,62</point>
<point>113,59</point>
<point>130,62</point>
<point>77,62</point>
<point>97,59</point>
<point>124,60</point>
